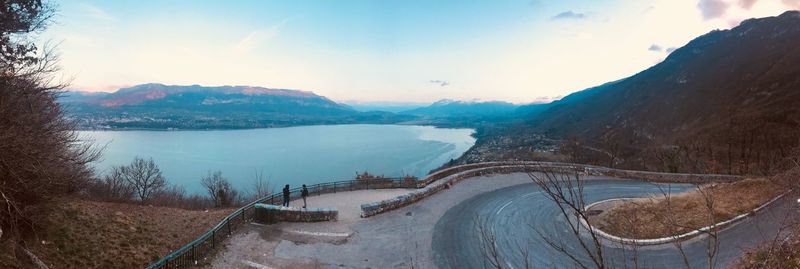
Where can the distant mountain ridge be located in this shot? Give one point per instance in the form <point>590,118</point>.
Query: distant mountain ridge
<point>141,94</point>
<point>453,108</point>
<point>162,106</point>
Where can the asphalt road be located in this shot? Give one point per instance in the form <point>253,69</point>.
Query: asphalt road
<point>516,213</point>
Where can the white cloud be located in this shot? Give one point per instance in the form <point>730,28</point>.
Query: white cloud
<point>569,15</point>
<point>257,38</point>
<point>747,4</point>
<point>712,9</point>
<point>440,83</point>
<point>655,47</point>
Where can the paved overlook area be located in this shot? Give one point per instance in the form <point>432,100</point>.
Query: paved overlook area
<point>438,231</point>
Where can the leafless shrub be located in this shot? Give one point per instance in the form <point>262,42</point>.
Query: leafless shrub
<point>171,196</point>
<point>220,190</point>
<point>260,186</point>
<point>112,187</point>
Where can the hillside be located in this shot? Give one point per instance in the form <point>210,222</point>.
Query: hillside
<point>729,97</point>
<point>89,234</point>
<point>197,107</point>
<point>750,69</point>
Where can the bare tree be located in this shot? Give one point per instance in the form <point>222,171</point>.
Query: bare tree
<point>712,240</point>
<point>675,227</point>
<point>113,187</point>
<point>565,189</point>
<point>260,186</point>
<point>41,157</point>
<point>220,190</point>
<point>610,143</point>
<point>488,246</point>
<point>571,147</point>
<point>144,176</point>
<point>488,243</point>
<point>671,223</point>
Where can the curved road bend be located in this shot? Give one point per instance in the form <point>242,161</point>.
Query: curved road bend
<point>513,213</point>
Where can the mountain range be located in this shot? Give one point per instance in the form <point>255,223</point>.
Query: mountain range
<point>451,108</point>
<point>730,97</point>
<point>158,106</point>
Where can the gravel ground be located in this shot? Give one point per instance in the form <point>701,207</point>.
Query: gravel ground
<point>396,239</point>
<point>349,203</point>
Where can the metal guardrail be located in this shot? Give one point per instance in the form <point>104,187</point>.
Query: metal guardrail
<point>198,250</point>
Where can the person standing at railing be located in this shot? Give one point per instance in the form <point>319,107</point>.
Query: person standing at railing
<point>286,195</point>
<point>304,194</point>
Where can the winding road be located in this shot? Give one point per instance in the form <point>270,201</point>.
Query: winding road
<point>519,215</point>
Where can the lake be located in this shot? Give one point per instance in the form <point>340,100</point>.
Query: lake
<point>294,155</point>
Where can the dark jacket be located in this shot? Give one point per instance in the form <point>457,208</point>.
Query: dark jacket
<point>285,192</point>
<point>304,193</point>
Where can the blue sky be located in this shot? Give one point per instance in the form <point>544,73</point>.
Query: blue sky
<point>519,51</point>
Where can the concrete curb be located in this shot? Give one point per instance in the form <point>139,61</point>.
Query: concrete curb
<point>657,241</point>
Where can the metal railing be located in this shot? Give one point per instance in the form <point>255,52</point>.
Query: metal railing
<point>196,251</point>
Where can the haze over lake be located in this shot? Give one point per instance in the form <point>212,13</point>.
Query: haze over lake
<point>295,155</point>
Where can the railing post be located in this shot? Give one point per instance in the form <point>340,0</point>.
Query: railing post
<point>194,256</point>
<point>334,187</point>
<point>229,227</point>
<point>213,235</point>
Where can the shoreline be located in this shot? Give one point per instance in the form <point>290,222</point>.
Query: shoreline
<point>438,126</point>
<point>185,156</point>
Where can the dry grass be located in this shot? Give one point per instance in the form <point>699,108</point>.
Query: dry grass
<point>657,217</point>
<point>773,254</point>
<point>88,234</point>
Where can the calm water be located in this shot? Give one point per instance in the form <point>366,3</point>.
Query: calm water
<point>296,155</point>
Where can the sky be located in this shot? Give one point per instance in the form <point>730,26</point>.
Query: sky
<point>519,51</point>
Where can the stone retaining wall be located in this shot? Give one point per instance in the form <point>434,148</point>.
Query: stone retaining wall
<point>447,177</point>
<point>267,214</point>
<point>660,177</point>
<point>375,208</point>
